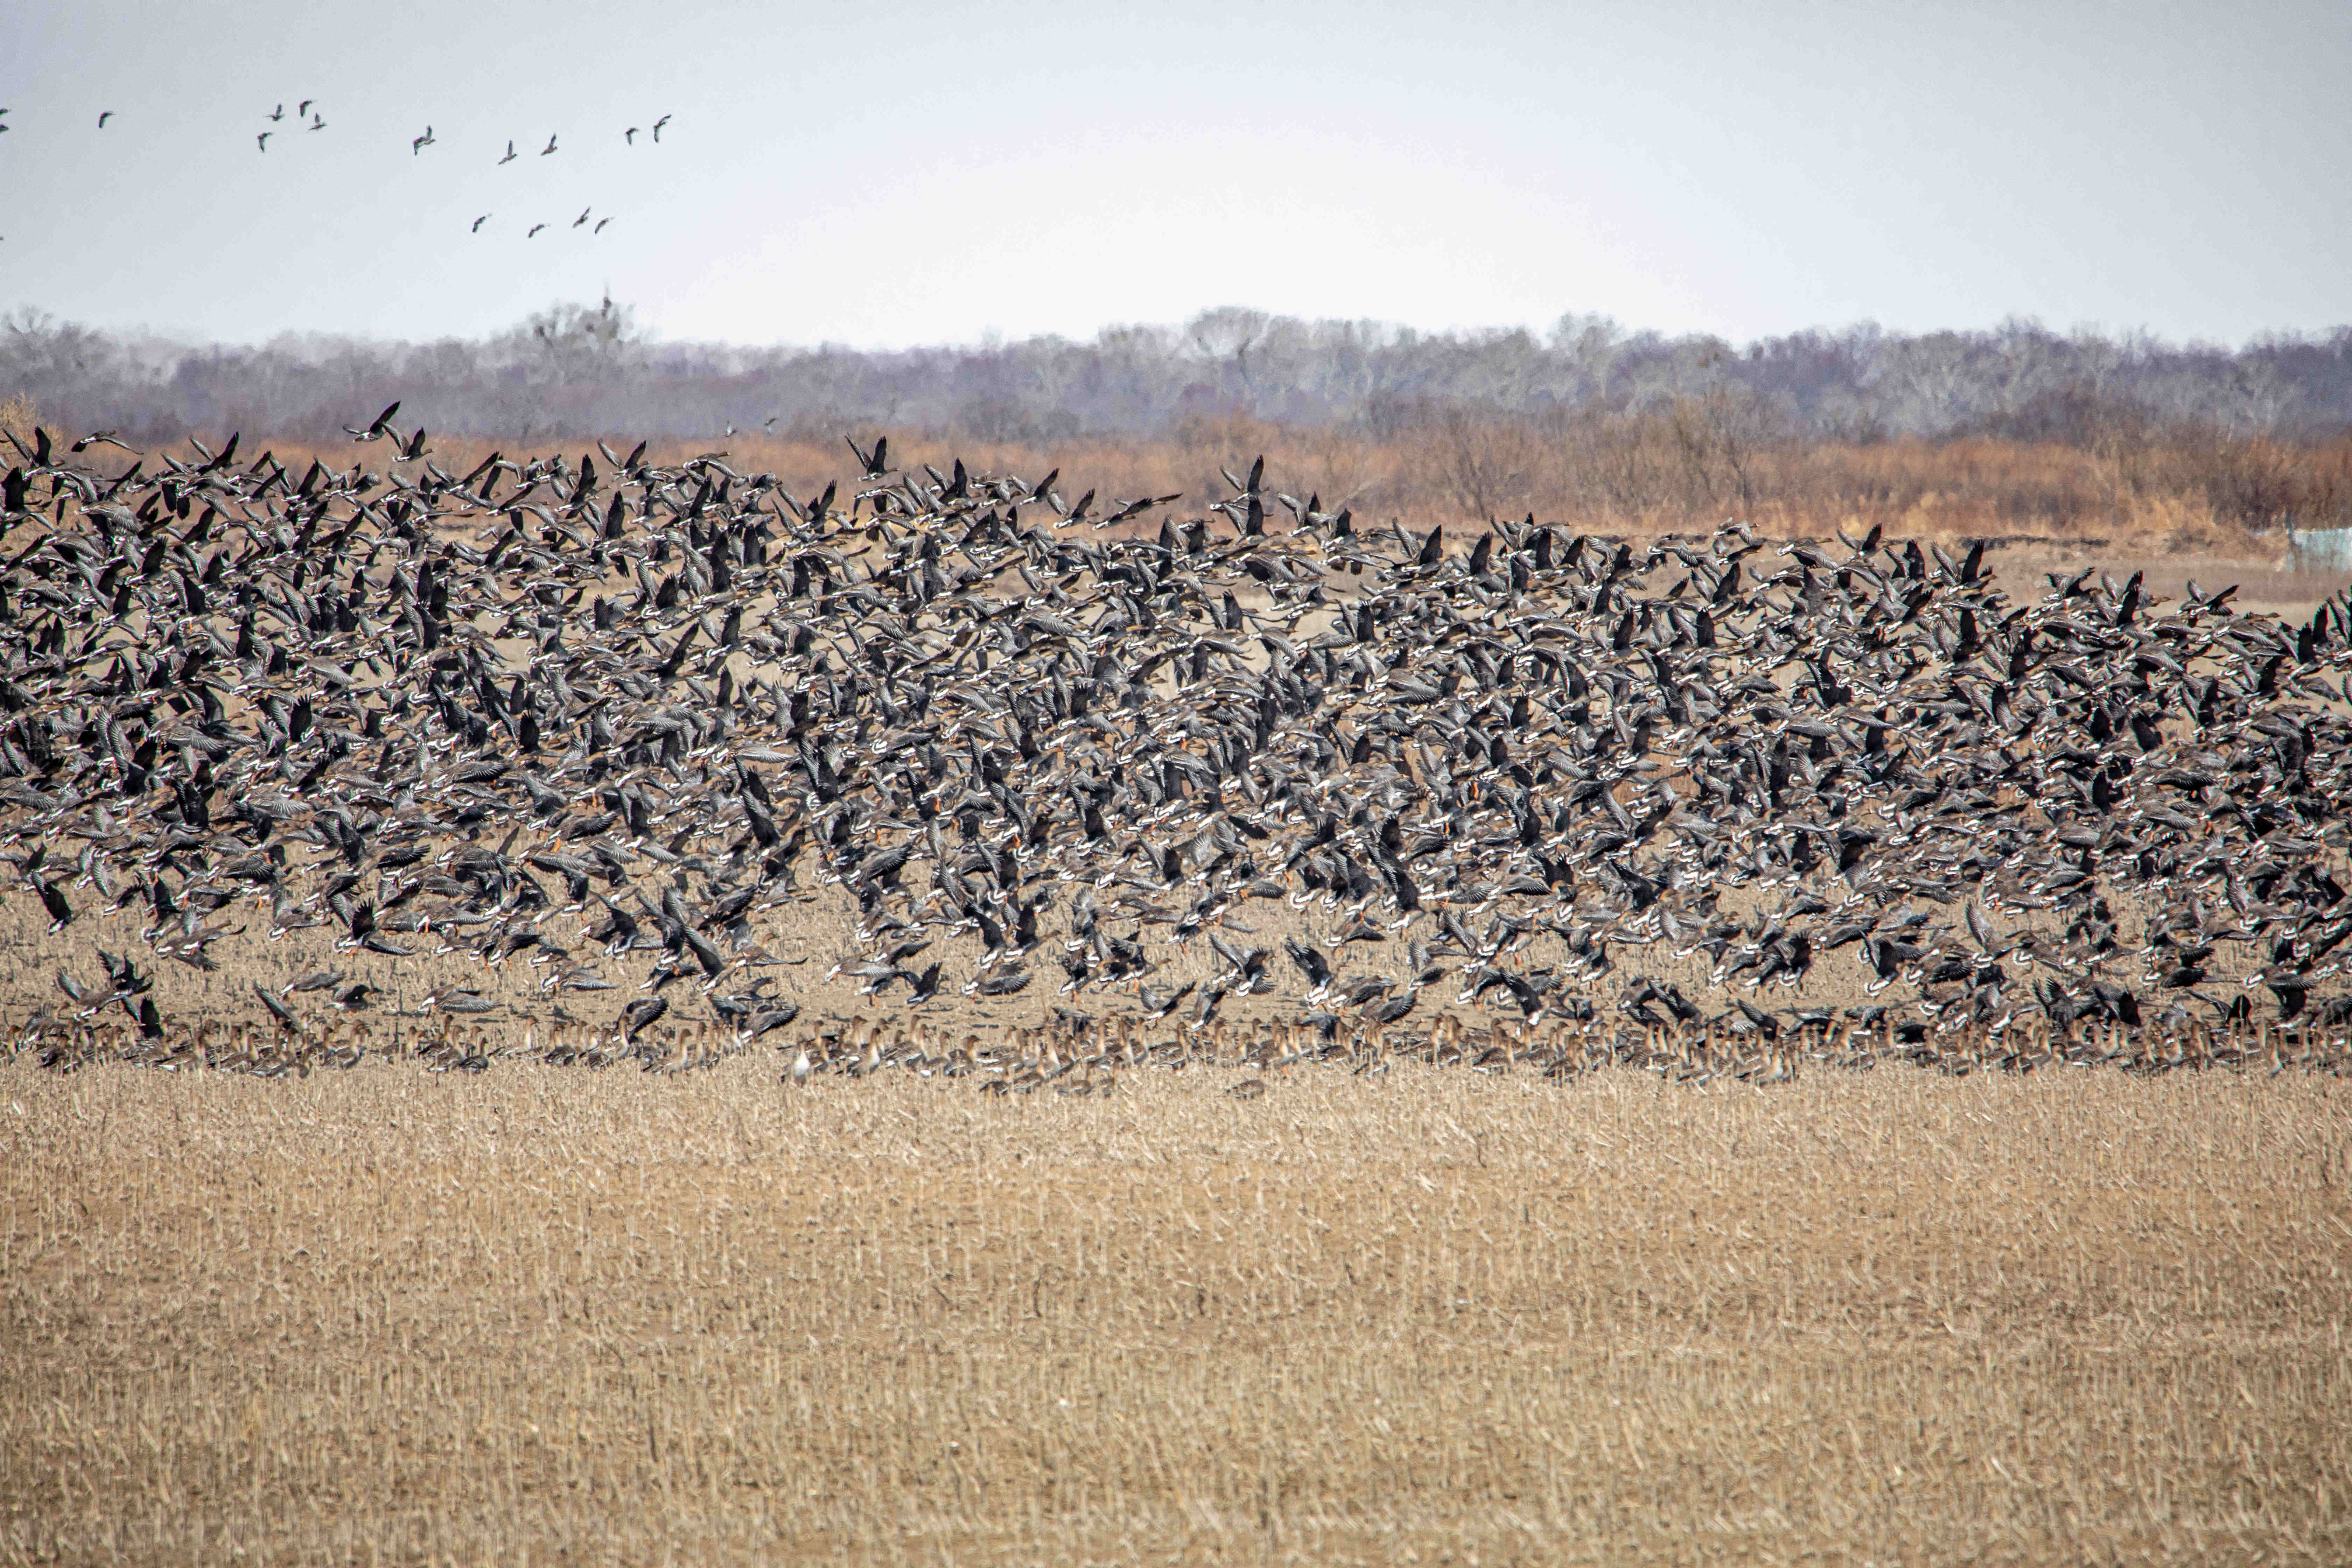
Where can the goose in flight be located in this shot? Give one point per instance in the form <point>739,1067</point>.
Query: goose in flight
<point>104,117</point>
<point>418,143</point>
<point>600,226</point>
<point>478,223</point>
<point>534,230</point>
<point>582,218</point>
<point>277,114</point>
<point>658,124</point>
<point>509,157</point>
<point>1301,787</point>
<point>263,141</point>
<point>318,122</point>
<point>303,108</point>
<point>630,135</point>
<point>543,152</point>
<point>876,462</point>
<point>378,430</point>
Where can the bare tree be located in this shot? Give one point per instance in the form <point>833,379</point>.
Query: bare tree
<point>578,341</point>
<point>1485,459</point>
<point>578,368</point>
<point>1227,334</point>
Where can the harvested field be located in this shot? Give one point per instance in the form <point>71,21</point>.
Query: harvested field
<point>554,1316</point>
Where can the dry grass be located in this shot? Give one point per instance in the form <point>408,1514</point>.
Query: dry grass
<point>2189,493</point>
<point>17,418</point>
<point>550,1315</point>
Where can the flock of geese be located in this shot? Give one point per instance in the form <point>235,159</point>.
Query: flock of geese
<point>1451,800</point>
<point>416,145</point>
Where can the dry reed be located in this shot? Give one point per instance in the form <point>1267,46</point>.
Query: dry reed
<point>2189,494</point>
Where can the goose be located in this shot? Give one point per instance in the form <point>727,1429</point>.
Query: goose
<point>972,733</point>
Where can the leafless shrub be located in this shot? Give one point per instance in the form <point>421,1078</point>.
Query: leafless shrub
<point>17,421</point>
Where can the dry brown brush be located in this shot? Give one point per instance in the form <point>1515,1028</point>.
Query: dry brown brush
<point>2129,490</point>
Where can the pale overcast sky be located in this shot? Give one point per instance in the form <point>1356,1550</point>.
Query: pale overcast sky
<point>891,173</point>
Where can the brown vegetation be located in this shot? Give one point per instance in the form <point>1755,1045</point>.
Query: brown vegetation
<point>556,1316</point>
<point>2125,491</point>
<point>2070,472</point>
<point>16,417</point>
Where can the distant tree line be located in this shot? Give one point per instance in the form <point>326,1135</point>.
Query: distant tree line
<point>575,370</point>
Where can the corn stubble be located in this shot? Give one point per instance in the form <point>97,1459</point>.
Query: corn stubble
<point>549,1315</point>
